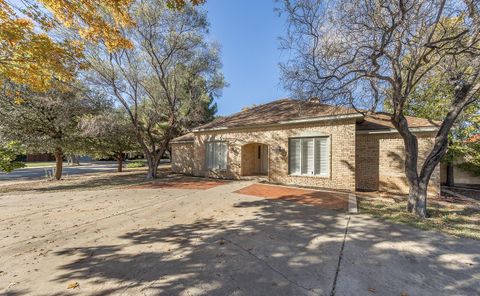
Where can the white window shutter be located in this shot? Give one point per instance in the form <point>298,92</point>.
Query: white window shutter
<point>216,155</point>
<point>307,157</point>
<point>317,156</point>
<point>210,155</point>
<point>295,156</point>
<point>222,163</point>
<point>310,156</point>
<point>324,155</point>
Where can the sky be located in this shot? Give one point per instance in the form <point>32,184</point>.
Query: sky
<point>248,32</point>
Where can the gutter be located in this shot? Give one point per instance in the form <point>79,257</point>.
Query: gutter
<point>182,142</point>
<point>285,122</point>
<point>392,130</point>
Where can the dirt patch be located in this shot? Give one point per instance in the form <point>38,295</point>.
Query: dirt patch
<point>326,200</point>
<point>182,183</point>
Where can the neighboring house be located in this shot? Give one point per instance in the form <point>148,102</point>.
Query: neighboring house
<point>304,143</point>
<point>461,176</point>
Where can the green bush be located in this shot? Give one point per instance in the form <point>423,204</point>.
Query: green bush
<point>470,167</point>
<point>136,164</point>
<point>8,156</point>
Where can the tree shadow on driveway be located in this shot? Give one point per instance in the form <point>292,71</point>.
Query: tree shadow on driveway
<point>285,249</point>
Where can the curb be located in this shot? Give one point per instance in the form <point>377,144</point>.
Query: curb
<point>352,204</point>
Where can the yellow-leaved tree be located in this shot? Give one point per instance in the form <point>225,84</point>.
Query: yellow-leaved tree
<point>31,50</point>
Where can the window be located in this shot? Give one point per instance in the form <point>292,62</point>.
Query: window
<point>309,156</point>
<point>216,155</point>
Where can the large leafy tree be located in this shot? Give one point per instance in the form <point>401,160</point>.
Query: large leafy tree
<point>108,134</point>
<point>31,48</point>
<point>431,99</point>
<point>166,79</point>
<point>471,154</point>
<point>44,121</point>
<point>365,52</point>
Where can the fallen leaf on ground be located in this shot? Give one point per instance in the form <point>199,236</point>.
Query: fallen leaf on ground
<point>372,290</point>
<point>73,285</point>
<point>404,294</point>
<point>12,284</point>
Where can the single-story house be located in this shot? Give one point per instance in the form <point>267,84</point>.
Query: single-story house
<point>461,176</point>
<point>304,142</point>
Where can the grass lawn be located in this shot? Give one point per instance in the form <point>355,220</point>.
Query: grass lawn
<point>451,218</point>
<point>39,164</point>
<point>93,181</point>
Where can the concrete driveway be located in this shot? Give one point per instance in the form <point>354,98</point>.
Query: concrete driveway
<point>212,241</point>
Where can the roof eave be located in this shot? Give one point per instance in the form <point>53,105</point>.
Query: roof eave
<point>392,130</point>
<point>182,142</point>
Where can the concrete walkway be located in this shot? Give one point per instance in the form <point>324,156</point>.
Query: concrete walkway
<point>215,242</point>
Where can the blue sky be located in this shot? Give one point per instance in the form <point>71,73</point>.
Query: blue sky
<point>248,32</point>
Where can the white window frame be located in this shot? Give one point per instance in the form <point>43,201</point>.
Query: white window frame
<point>303,140</point>
<point>216,165</point>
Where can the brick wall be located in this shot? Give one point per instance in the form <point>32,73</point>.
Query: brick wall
<point>182,158</point>
<point>249,155</point>
<point>380,162</point>
<point>342,155</point>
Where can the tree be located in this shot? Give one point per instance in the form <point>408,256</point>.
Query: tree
<point>169,74</point>
<point>180,4</point>
<point>8,156</point>
<point>109,134</point>
<point>365,52</point>
<point>31,49</point>
<point>471,154</point>
<point>430,99</point>
<point>44,121</point>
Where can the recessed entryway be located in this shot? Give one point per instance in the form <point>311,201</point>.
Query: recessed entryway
<point>255,159</point>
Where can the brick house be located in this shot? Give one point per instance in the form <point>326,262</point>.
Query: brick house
<point>304,143</point>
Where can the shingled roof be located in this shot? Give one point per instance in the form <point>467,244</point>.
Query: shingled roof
<point>293,110</point>
<point>381,121</point>
<point>280,111</point>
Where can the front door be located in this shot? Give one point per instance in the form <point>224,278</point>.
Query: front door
<point>261,159</point>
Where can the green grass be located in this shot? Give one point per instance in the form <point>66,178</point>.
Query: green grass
<point>137,163</point>
<point>39,164</point>
<point>454,220</point>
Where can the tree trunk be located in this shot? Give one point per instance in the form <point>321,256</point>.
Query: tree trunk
<point>59,163</point>
<point>450,175</point>
<point>417,199</point>
<point>120,158</point>
<point>417,195</point>
<point>153,160</point>
<point>152,168</point>
<point>76,160</point>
